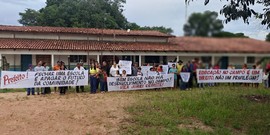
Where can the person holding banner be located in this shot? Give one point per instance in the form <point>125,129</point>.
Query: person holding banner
<point>93,78</point>
<point>30,90</point>
<point>139,73</point>
<point>173,70</point>
<point>103,80</point>
<point>63,88</point>
<point>185,75</point>
<point>39,67</point>
<point>46,90</point>
<point>56,68</point>
<point>179,67</point>
<point>113,69</point>
<point>79,67</point>
<point>124,73</point>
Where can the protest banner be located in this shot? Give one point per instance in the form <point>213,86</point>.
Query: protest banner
<point>12,79</point>
<point>185,76</point>
<point>165,69</point>
<point>145,70</point>
<point>140,82</point>
<point>171,63</point>
<point>229,75</point>
<point>125,65</point>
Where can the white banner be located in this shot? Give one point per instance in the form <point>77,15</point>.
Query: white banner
<point>171,63</point>
<point>145,70</point>
<point>229,75</point>
<point>185,76</point>
<point>125,65</point>
<point>165,69</point>
<point>140,82</point>
<point>12,79</point>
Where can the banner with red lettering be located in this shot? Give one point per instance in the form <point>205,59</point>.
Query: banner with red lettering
<point>140,82</point>
<point>12,79</point>
<point>229,75</point>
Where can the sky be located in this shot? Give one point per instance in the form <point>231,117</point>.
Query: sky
<point>168,13</point>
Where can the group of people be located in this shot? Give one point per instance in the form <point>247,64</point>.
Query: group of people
<point>98,74</point>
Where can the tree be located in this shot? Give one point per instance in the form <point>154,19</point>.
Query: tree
<point>236,9</point>
<point>267,37</point>
<point>77,13</point>
<point>224,34</point>
<point>83,13</point>
<point>30,17</point>
<point>203,24</point>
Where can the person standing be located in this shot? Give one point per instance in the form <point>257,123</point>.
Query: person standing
<point>134,69</point>
<point>93,78</point>
<point>139,73</point>
<point>265,78</point>
<point>30,90</point>
<point>103,80</point>
<point>79,67</point>
<point>173,70</point>
<point>39,67</point>
<point>62,88</point>
<point>113,69</point>
<point>56,68</point>
<point>179,67</point>
<point>106,68</point>
<point>124,73</point>
<point>46,90</point>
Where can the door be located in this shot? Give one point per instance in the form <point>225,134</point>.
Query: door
<point>224,62</point>
<point>25,61</point>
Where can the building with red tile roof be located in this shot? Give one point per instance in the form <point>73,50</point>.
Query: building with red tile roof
<point>23,45</point>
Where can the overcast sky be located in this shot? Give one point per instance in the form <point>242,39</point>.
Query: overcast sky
<point>168,13</point>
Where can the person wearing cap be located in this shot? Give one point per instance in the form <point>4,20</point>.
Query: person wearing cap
<point>30,90</point>
<point>179,67</point>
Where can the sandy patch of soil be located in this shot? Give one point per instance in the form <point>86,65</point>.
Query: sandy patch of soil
<point>73,114</point>
<point>195,124</point>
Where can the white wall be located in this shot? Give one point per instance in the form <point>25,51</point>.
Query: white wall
<point>236,60</point>
<point>13,58</point>
<point>6,35</point>
<point>35,36</point>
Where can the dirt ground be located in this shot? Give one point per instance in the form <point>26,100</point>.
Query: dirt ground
<point>71,114</point>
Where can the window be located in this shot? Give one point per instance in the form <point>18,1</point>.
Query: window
<point>250,60</point>
<point>206,59</point>
<point>152,59</point>
<point>77,58</point>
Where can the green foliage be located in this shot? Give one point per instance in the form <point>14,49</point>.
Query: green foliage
<point>162,29</point>
<point>83,13</point>
<point>267,37</point>
<point>229,34</point>
<point>203,24</point>
<point>236,9</point>
<point>214,110</point>
<point>77,13</point>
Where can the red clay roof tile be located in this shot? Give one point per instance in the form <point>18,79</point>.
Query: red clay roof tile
<point>179,44</point>
<point>91,31</point>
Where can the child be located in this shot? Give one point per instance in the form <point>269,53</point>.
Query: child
<point>124,73</point>
<point>117,74</point>
<point>265,78</point>
<point>139,73</point>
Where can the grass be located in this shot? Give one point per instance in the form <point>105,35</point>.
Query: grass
<point>220,110</point>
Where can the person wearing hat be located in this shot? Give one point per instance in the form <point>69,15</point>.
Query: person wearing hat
<point>179,67</point>
<point>30,90</point>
